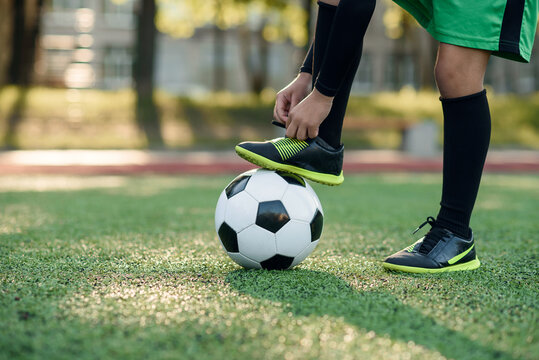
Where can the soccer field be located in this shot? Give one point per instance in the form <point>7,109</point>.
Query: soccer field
<point>131,268</point>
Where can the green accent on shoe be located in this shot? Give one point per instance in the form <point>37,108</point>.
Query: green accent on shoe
<point>326,179</point>
<point>459,256</point>
<point>470,265</point>
<point>288,147</point>
<point>410,248</point>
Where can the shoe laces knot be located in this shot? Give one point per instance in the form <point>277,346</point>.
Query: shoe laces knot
<point>435,234</point>
<point>430,221</point>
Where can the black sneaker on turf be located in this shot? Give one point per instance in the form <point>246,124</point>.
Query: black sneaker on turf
<point>313,159</point>
<point>439,250</point>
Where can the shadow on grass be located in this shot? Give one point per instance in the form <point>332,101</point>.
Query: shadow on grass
<point>314,293</point>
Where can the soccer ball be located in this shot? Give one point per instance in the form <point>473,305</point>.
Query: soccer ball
<point>268,220</point>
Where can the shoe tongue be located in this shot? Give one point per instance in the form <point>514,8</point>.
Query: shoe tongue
<point>431,239</point>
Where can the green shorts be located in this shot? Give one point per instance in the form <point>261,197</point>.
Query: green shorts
<point>505,27</point>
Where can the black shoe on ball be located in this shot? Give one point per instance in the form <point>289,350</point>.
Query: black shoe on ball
<point>313,159</point>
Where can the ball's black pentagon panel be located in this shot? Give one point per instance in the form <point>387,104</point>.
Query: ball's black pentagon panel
<point>277,262</point>
<point>317,223</point>
<point>237,185</point>
<point>228,237</point>
<point>292,179</point>
<point>272,215</point>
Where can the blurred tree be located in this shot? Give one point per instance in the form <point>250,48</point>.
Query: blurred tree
<point>6,29</point>
<point>26,16</point>
<point>307,7</point>
<point>260,22</point>
<point>219,69</point>
<point>403,28</point>
<point>147,114</point>
<point>26,24</point>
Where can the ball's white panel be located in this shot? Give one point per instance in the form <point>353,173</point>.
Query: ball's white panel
<point>247,173</point>
<point>315,197</point>
<point>256,243</point>
<point>244,261</point>
<point>299,203</point>
<point>266,185</point>
<point>292,238</point>
<point>220,210</point>
<point>241,211</point>
<point>303,255</point>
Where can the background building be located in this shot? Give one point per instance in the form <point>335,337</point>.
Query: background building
<point>89,43</point>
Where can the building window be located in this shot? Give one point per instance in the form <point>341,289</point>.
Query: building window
<point>56,61</point>
<point>399,72</point>
<point>65,5</point>
<point>119,14</point>
<point>117,67</point>
<point>364,77</point>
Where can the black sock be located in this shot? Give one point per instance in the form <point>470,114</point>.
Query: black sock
<point>466,141</point>
<point>307,65</point>
<point>324,21</point>
<point>331,128</point>
<point>336,63</point>
<point>326,13</point>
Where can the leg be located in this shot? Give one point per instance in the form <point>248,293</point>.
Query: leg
<point>449,245</point>
<point>459,74</point>
<point>324,20</point>
<point>460,71</point>
<point>335,53</point>
<point>331,128</point>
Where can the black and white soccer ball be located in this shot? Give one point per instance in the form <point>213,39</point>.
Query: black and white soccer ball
<point>268,220</point>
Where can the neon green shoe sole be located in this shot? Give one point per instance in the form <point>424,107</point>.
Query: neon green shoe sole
<point>470,265</point>
<point>326,179</point>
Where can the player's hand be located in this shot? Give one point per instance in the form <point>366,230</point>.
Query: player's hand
<point>290,96</point>
<point>305,119</point>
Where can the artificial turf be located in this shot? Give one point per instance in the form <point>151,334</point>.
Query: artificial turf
<point>131,268</point>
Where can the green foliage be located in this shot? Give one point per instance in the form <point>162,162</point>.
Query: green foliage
<point>279,19</point>
<point>131,268</point>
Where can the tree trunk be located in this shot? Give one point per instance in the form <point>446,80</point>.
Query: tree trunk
<point>256,64</point>
<point>147,114</point>
<point>219,66</point>
<point>25,33</point>
<point>307,6</point>
<point>26,28</point>
<point>260,78</point>
<point>6,38</point>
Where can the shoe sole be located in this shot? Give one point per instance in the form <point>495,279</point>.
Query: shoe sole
<point>470,265</point>
<point>326,179</point>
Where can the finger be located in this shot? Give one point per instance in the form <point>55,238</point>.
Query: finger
<point>312,132</point>
<point>282,107</point>
<point>301,133</point>
<point>291,130</point>
<point>277,118</point>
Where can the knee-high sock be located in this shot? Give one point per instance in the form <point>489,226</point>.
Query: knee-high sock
<point>331,128</point>
<point>345,54</point>
<point>466,141</point>
<point>307,65</point>
<point>337,54</point>
<point>324,21</point>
